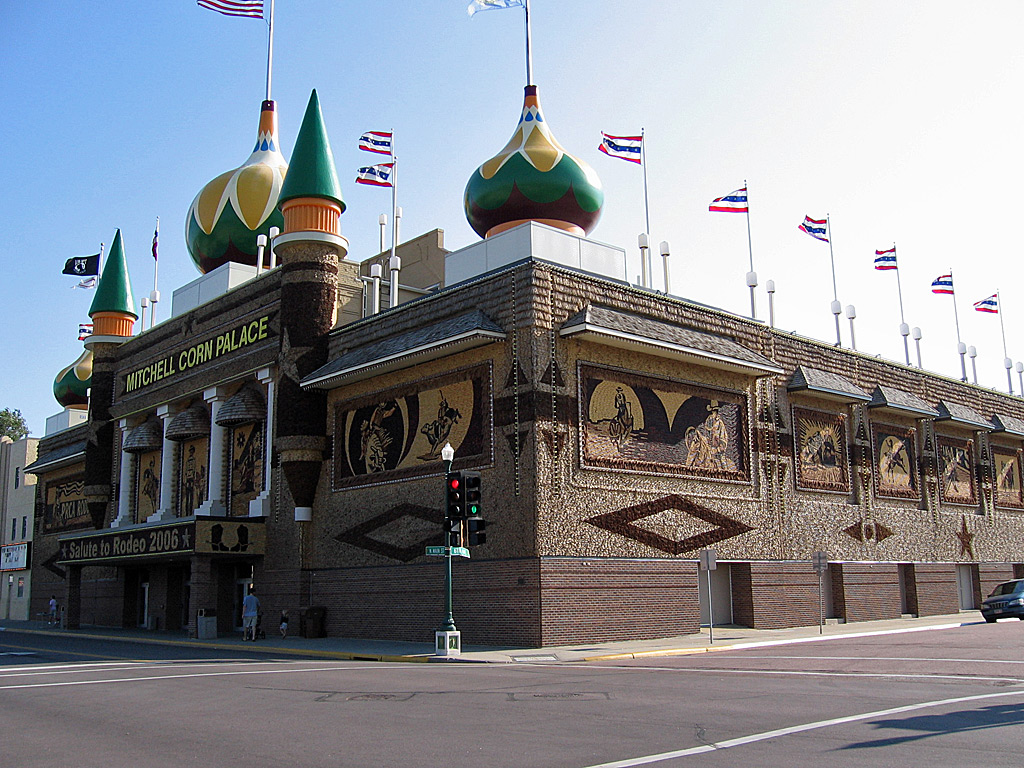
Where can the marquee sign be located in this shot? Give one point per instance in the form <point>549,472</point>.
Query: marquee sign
<point>15,557</point>
<point>243,335</point>
<point>207,536</point>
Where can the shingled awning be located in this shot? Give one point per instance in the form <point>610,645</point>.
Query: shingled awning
<point>445,337</point>
<point>888,398</point>
<point>615,328</point>
<point>831,386</point>
<point>962,415</point>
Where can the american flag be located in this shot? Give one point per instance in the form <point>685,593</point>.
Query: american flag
<point>252,9</point>
<point>816,228</point>
<point>885,259</point>
<point>377,175</point>
<point>943,284</point>
<point>991,304</point>
<point>84,331</point>
<point>734,202</point>
<point>623,147</point>
<point>376,141</point>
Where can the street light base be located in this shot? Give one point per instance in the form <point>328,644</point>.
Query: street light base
<point>447,643</point>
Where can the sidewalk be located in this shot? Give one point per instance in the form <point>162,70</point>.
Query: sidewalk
<point>357,649</point>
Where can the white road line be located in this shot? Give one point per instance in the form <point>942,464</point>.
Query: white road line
<point>813,673</point>
<point>753,738</point>
<point>874,658</point>
<point>70,683</point>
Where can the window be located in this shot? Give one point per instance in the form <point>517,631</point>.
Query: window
<point>17,476</point>
<point>24,528</point>
<point>14,528</point>
<point>21,586</point>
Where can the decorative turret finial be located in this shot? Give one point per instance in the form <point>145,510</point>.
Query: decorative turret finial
<point>533,179</point>
<point>113,309</point>
<point>311,196</point>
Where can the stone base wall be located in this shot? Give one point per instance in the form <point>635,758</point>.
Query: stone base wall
<point>866,591</point>
<point>774,595</point>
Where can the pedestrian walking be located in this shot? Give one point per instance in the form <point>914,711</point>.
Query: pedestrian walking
<point>250,612</point>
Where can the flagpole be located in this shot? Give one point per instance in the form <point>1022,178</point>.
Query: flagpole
<point>961,349</point>
<point>647,209</point>
<point>154,297</point>
<point>1006,358</point>
<point>751,277</point>
<point>270,47</point>
<point>99,261</point>
<point>393,292</point>
<point>836,308</point>
<point>899,292</point>
<point>529,44</point>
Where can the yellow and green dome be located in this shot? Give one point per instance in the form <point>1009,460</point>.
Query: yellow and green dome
<point>71,386</point>
<point>533,179</point>
<point>231,211</point>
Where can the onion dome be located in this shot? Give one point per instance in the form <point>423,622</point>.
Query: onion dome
<point>71,387</point>
<point>533,179</point>
<point>311,196</point>
<point>113,309</point>
<point>235,208</point>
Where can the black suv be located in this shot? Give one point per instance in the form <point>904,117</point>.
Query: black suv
<point>1005,602</point>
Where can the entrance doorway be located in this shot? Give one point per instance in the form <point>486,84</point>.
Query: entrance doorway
<point>143,605</point>
<point>965,586</point>
<point>242,586</point>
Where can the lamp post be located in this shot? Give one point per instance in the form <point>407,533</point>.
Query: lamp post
<point>916,335</point>
<point>851,315</point>
<point>447,639</point>
<point>770,287</point>
<point>972,353</point>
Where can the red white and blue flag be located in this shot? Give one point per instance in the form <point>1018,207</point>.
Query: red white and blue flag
<point>252,9</point>
<point>377,175</point>
<point>376,141</point>
<point>943,284</point>
<point>629,148</point>
<point>84,331</point>
<point>816,228</point>
<point>156,239</point>
<point>991,304</point>
<point>734,202</point>
<point>885,259</point>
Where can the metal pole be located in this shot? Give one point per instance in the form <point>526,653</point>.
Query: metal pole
<point>711,612</point>
<point>449,618</point>
<point>529,45</point>
<point>903,321</point>
<point>836,306</point>
<point>270,47</point>
<point>956,319</point>
<point>821,603</point>
<point>751,276</point>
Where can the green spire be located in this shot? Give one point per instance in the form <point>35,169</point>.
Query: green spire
<point>114,292</point>
<point>311,172</point>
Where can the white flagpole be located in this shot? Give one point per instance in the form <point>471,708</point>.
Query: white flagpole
<point>836,307</point>
<point>751,275</point>
<point>899,292</point>
<point>649,266</point>
<point>154,297</point>
<point>99,262</point>
<point>1006,358</point>
<point>961,348</point>
<point>394,223</point>
<point>270,47</point>
<point>529,44</point>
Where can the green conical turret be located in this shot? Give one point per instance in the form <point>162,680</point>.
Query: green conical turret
<point>114,291</point>
<point>311,172</point>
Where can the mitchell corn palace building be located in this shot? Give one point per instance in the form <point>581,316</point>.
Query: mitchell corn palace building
<point>279,431</point>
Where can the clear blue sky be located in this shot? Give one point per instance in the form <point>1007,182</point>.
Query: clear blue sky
<point>899,119</point>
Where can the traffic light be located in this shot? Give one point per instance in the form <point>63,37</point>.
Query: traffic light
<point>476,531</point>
<point>454,490</point>
<point>453,531</point>
<point>471,493</point>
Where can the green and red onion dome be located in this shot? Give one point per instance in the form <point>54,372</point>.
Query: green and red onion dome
<point>71,386</point>
<point>232,211</point>
<point>533,179</point>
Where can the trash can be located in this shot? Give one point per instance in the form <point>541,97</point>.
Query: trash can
<point>312,620</point>
<point>206,624</point>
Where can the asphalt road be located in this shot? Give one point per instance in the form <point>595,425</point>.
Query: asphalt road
<point>943,698</point>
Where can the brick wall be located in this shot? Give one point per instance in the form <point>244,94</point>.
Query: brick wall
<point>599,599</point>
<point>990,574</point>
<point>936,588</point>
<point>866,591</point>
<point>774,595</point>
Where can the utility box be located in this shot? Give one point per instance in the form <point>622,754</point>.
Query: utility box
<point>206,624</point>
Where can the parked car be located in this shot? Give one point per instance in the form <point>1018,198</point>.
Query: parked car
<point>1005,602</point>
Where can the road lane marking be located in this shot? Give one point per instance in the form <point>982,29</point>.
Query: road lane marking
<point>879,658</point>
<point>819,673</point>
<point>756,737</point>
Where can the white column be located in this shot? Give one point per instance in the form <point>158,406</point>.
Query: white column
<point>168,455</point>
<point>260,506</point>
<point>214,505</point>
<point>124,493</point>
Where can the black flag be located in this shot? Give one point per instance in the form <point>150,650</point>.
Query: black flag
<point>82,265</point>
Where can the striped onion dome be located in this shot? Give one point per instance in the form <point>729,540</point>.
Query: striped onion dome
<point>71,386</point>
<point>231,211</point>
<point>533,179</point>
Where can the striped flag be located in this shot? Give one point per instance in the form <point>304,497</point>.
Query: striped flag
<point>376,141</point>
<point>89,282</point>
<point>885,259</point>
<point>252,9</point>
<point>943,284</point>
<point>84,331</point>
<point>623,147</point>
<point>991,304</point>
<point>156,238</point>
<point>734,202</point>
<point>816,228</point>
<point>377,175</point>
<point>492,5</point>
